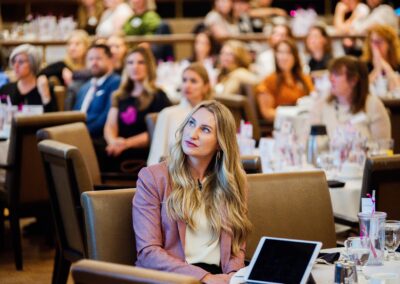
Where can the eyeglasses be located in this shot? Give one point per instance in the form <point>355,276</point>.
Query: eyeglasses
<point>19,61</point>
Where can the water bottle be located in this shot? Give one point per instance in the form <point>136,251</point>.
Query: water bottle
<point>318,142</point>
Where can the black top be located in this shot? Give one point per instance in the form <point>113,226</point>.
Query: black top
<point>131,121</point>
<point>31,98</point>
<point>319,64</point>
<point>54,69</point>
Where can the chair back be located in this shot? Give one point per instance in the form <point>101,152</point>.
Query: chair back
<point>251,164</point>
<point>382,174</point>
<point>60,94</point>
<point>76,134</point>
<point>98,272</point>
<point>109,230</point>
<point>290,205</point>
<point>151,120</point>
<point>67,177</point>
<point>241,110</point>
<point>393,105</point>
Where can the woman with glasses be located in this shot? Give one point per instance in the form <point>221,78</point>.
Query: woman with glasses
<point>29,89</point>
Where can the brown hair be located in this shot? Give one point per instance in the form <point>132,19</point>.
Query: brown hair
<point>241,56</point>
<point>354,69</point>
<point>390,36</point>
<point>199,69</point>
<point>296,71</point>
<point>324,33</point>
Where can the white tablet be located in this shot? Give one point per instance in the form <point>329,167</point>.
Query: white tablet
<point>279,260</point>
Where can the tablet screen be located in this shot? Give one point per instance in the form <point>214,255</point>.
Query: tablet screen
<point>282,261</point>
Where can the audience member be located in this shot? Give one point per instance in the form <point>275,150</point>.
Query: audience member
<point>220,19</point>
<point>382,54</point>
<point>347,13</point>
<point>263,9</point>
<point>113,18</point>
<point>287,84</point>
<point>241,14</point>
<point>234,61</point>
<point>88,15</point>
<point>190,212</point>
<point>29,89</point>
<point>3,76</point>
<point>94,97</point>
<point>195,88</point>
<point>265,61</point>
<point>381,13</point>
<point>319,48</point>
<point>349,104</point>
<point>125,131</point>
<point>75,60</point>
<point>118,47</point>
<point>145,20</point>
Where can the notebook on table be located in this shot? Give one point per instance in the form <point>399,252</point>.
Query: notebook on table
<point>279,260</point>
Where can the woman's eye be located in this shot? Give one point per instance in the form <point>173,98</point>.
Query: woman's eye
<point>191,123</point>
<point>206,130</point>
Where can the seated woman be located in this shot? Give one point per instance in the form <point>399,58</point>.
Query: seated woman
<point>195,88</point>
<point>190,212</point>
<point>29,89</point>
<point>125,130</point>
<point>347,13</point>
<point>113,18</point>
<point>382,54</point>
<point>74,62</point>
<point>349,104</point>
<point>287,84</point>
<point>319,48</point>
<point>234,61</point>
<point>220,19</point>
<point>145,20</point>
<point>118,47</point>
<point>88,15</point>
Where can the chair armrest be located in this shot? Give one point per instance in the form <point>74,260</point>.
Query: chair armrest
<point>110,186</point>
<point>344,220</point>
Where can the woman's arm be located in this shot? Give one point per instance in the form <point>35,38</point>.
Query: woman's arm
<point>380,126</point>
<point>111,126</point>
<point>266,104</point>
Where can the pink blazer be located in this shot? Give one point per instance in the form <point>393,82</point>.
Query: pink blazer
<point>160,241</point>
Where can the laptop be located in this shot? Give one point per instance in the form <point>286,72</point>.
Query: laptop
<point>279,260</point>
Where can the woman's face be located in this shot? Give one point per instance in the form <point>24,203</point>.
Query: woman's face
<point>315,41</point>
<point>117,47</point>
<point>136,67</point>
<point>199,140</point>
<point>202,46</point>
<point>227,58</point>
<point>278,33</point>
<point>111,4</point>
<point>193,87</point>
<point>341,86</point>
<point>88,3</point>
<point>223,6</point>
<point>138,4</point>
<point>284,57</point>
<point>21,66</point>
<point>380,44</point>
<point>76,49</point>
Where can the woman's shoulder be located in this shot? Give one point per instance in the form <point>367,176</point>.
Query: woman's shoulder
<point>155,172</point>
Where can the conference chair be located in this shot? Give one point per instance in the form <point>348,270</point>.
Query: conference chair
<point>99,272</point>
<point>393,105</point>
<point>25,184</point>
<point>108,225</point>
<point>293,205</point>
<point>77,134</point>
<point>251,164</point>
<point>151,120</point>
<point>67,177</point>
<point>382,174</point>
<point>241,110</point>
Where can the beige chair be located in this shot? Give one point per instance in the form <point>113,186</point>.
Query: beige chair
<point>290,205</point>
<point>241,110</point>
<point>77,134</point>
<point>109,230</point>
<point>99,272</point>
<point>60,93</point>
<point>25,183</point>
<point>382,174</point>
<point>67,177</point>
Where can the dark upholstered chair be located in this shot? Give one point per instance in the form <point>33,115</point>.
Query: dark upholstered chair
<point>241,110</point>
<point>77,134</point>
<point>67,177</point>
<point>251,164</point>
<point>382,174</point>
<point>25,183</point>
<point>290,205</point>
<point>108,220</point>
<point>151,120</point>
<point>100,272</point>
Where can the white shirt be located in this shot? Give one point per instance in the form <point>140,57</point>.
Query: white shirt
<point>109,18</point>
<point>383,14</point>
<point>95,83</point>
<point>168,121</point>
<point>199,246</point>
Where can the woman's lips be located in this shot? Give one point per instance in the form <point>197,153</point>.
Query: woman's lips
<point>190,144</point>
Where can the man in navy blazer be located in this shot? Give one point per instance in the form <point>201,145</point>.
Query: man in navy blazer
<point>94,97</point>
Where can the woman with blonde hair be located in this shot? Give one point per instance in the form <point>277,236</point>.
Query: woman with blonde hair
<point>195,88</point>
<point>234,61</point>
<point>125,130</point>
<point>74,62</point>
<point>382,54</point>
<point>190,212</point>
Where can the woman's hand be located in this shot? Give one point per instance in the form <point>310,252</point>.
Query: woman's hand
<point>116,147</point>
<point>67,76</point>
<point>43,88</point>
<point>216,279</point>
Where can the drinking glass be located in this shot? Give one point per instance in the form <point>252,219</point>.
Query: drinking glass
<point>392,238</point>
<point>358,250</point>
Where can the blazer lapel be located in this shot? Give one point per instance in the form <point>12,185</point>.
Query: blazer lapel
<point>182,233</point>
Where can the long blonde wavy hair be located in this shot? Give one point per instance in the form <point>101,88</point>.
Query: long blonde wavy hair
<point>224,189</point>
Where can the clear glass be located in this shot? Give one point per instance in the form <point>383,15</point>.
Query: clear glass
<point>392,238</point>
<point>358,250</point>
